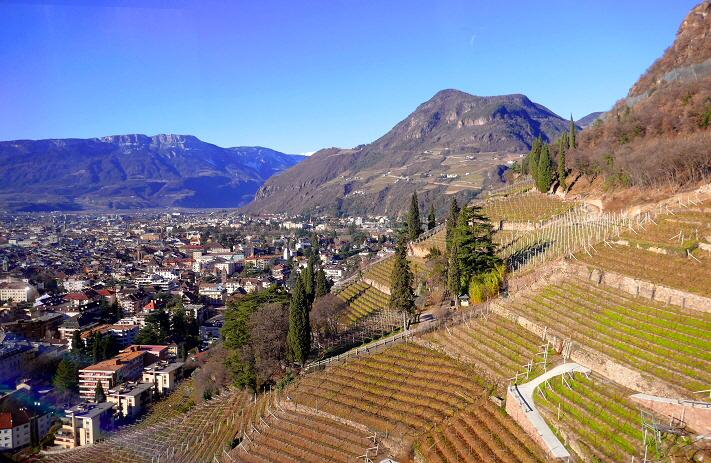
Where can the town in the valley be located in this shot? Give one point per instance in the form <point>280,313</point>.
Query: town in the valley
<point>96,286</point>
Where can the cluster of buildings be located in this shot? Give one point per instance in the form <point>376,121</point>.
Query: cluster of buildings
<point>132,380</point>
<point>60,274</point>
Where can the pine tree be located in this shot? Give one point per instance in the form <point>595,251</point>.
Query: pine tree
<point>99,394</point>
<point>544,179</point>
<point>66,377</point>
<point>562,173</point>
<point>571,138</point>
<point>431,221</point>
<point>402,297</point>
<point>299,327</point>
<point>414,226</point>
<point>475,249</point>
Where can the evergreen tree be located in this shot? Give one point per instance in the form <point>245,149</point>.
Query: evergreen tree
<point>183,351</point>
<point>95,348</point>
<point>309,276</point>
<point>322,285</point>
<point>299,327</point>
<point>544,179</point>
<point>115,311</point>
<point>414,226</point>
<point>451,223</point>
<point>402,297</point>
<point>533,158</point>
<point>562,173</point>
<point>66,377</point>
<point>431,221</point>
<point>454,274</point>
<point>99,394</point>
<point>77,343</point>
<point>571,138</point>
<point>474,248</point>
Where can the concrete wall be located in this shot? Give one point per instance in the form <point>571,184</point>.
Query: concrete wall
<point>515,411</point>
<point>697,417</point>
<point>639,287</point>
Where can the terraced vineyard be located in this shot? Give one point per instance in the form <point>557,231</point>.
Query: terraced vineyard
<point>362,300</point>
<point>498,348</point>
<point>438,240</point>
<point>199,435</point>
<point>665,341</point>
<point>525,208</point>
<point>682,228</point>
<point>597,415</point>
<point>293,436</point>
<point>408,389</point>
<point>693,275</point>
<point>481,434</point>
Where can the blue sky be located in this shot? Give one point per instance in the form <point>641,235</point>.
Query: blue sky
<point>301,75</point>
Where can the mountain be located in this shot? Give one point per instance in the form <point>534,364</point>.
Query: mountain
<point>588,120</point>
<point>454,133</point>
<point>658,138</point>
<point>131,171</point>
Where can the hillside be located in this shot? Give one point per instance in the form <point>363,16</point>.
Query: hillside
<point>454,142</point>
<point>658,137</point>
<point>131,171</point>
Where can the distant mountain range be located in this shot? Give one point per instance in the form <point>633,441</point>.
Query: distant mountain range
<point>132,171</point>
<point>452,136</point>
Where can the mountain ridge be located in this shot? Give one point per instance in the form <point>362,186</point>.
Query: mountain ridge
<point>448,128</point>
<point>132,171</point>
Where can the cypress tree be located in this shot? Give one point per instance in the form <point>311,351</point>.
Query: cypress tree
<point>431,218</point>
<point>99,394</point>
<point>77,343</point>
<point>562,173</point>
<point>571,138</point>
<point>322,285</point>
<point>309,276</point>
<point>299,327</point>
<point>544,179</point>
<point>451,222</point>
<point>402,297</point>
<point>533,158</point>
<point>454,274</point>
<point>414,226</point>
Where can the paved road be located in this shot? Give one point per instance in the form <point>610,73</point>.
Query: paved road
<point>555,446</point>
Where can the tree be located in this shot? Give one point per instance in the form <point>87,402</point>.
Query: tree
<point>299,328</point>
<point>66,378</point>
<point>475,249</point>
<point>562,173</point>
<point>115,311</point>
<point>454,274</point>
<point>544,179</point>
<point>269,328</point>
<point>77,343</point>
<point>325,314</point>
<point>571,138</point>
<point>451,223</point>
<point>99,394</point>
<point>322,285</point>
<point>414,226</point>
<point>431,223</point>
<point>533,158</point>
<point>402,297</point>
